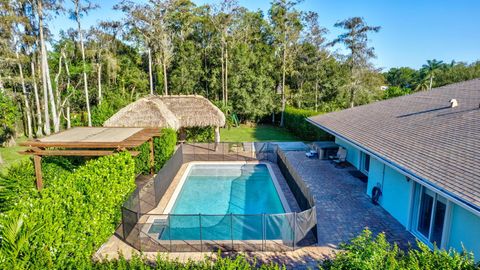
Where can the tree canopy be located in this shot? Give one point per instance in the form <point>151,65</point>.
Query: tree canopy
<point>249,63</point>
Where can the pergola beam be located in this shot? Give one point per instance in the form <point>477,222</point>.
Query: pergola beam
<point>71,153</point>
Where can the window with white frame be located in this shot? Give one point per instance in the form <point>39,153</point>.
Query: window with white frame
<point>365,163</point>
<point>431,216</point>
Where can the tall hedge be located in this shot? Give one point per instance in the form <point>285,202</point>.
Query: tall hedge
<point>200,134</point>
<point>142,160</point>
<point>164,146</point>
<point>19,181</point>
<point>295,121</point>
<point>70,218</point>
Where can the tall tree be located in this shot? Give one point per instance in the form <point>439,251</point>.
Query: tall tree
<point>148,24</point>
<point>222,20</point>
<point>315,35</point>
<point>253,59</point>
<point>43,67</point>
<point>81,9</point>
<point>430,69</point>
<point>286,22</point>
<point>356,40</point>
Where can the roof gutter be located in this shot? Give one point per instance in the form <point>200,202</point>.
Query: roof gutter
<point>472,207</point>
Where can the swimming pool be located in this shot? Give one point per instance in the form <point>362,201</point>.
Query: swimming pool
<point>227,201</point>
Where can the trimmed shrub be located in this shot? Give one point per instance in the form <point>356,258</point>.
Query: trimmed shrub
<point>64,224</point>
<point>200,134</point>
<point>164,146</point>
<point>368,252</point>
<point>19,182</point>
<point>237,262</point>
<point>294,120</point>
<point>142,161</point>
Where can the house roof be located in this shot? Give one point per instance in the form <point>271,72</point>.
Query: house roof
<point>421,134</point>
<point>174,111</point>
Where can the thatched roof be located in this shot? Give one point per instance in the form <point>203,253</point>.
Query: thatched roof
<point>174,111</point>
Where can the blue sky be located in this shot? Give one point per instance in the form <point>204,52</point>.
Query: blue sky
<point>412,31</point>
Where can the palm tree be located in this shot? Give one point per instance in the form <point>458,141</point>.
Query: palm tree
<point>431,69</point>
<point>355,38</point>
<point>15,235</point>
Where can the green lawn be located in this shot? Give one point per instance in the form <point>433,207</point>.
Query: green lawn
<point>256,134</point>
<point>10,155</point>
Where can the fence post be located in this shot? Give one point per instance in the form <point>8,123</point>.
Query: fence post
<point>200,223</point>
<point>231,229</point>
<point>263,232</point>
<point>294,228</point>
<point>169,231</point>
<point>123,224</point>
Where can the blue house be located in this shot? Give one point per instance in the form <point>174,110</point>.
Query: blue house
<point>423,152</point>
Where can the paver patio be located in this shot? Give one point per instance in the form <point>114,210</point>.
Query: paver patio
<point>343,207</point>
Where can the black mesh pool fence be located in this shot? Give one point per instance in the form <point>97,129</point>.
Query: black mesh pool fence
<point>230,232</point>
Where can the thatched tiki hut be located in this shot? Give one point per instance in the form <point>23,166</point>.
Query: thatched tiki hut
<point>174,111</point>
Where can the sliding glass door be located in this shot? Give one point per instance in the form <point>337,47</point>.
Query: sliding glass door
<point>432,209</point>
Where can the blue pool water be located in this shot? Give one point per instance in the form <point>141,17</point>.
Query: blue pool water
<point>228,188</point>
<point>231,199</point>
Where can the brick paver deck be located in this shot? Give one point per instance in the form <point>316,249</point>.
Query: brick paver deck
<point>343,207</point>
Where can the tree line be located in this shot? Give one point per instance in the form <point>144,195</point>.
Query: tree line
<point>434,73</point>
<point>250,63</point>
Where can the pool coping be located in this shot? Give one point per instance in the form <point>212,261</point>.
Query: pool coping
<point>178,188</point>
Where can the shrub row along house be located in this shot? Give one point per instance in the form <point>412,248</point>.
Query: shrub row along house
<point>422,152</point>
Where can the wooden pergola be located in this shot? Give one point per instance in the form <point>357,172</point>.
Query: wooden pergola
<point>89,142</point>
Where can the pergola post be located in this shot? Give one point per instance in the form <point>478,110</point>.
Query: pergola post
<point>37,162</point>
<point>152,156</point>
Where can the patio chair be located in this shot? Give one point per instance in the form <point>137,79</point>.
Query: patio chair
<point>312,154</point>
<point>340,157</point>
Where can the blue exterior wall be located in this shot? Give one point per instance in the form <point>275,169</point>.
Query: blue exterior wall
<point>353,154</point>
<point>397,195</point>
<point>465,228</point>
<point>396,191</point>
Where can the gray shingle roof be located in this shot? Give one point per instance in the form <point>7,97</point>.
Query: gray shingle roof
<point>422,134</point>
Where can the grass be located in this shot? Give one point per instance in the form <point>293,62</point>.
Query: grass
<point>258,133</point>
<point>10,155</point>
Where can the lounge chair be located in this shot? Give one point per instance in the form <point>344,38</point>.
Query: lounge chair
<point>340,157</point>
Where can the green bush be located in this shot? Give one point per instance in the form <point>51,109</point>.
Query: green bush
<point>237,262</point>
<point>200,134</point>
<point>294,120</point>
<point>64,224</point>
<point>142,161</point>
<point>9,114</point>
<point>164,146</point>
<point>368,252</point>
<point>110,105</point>
<point>395,91</point>
<point>19,181</point>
